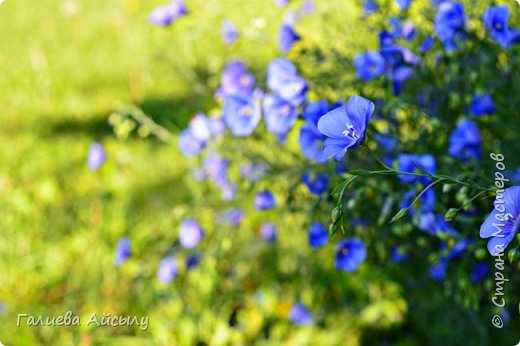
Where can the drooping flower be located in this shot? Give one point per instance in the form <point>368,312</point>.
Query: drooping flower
<point>503,223</point>
<point>190,234</point>
<point>96,156</point>
<point>438,270</point>
<point>450,24</point>
<point>317,183</point>
<point>279,115</point>
<point>482,104</point>
<point>350,254</point>
<point>318,235</point>
<point>300,316</point>
<point>403,4</point>
<point>479,272</point>
<point>416,164</point>
<point>164,15</point>
<point>122,251</point>
<point>241,115</point>
<point>287,37</point>
<point>465,141</point>
<point>193,260</point>
<point>229,32</point>
<point>268,232</point>
<point>345,127</point>
<point>167,269</point>
<point>236,80</point>
<point>265,200</point>
<point>399,254</point>
<point>369,65</point>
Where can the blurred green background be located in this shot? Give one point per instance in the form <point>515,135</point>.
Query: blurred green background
<point>66,65</point>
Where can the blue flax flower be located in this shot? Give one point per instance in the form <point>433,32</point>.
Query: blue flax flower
<point>427,44</point>
<point>465,141</point>
<point>438,270</point>
<point>164,15</point>
<point>345,127</point>
<point>496,21</point>
<point>369,65</point>
<point>287,37</point>
<point>503,223</point>
<point>193,260</point>
<point>398,254</point>
<point>403,4</point>
<point>318,235</point>
<point>268,232</point>
<point>479,272</point>
<point>279,115</point>
<point>236,80</point>
<point>190,234</point>
<point>311,139</point>
<point>229,32</point>
<point>300,316</point>
<point>265,200</point>
<point>482,105</point>
<point>167,269</point>
<point>96,156</point>
<point>234,216</point>
<point>350,254</point>
<point>317,183</point>
<point>122,251</point>
<point>241,115</point>
<point>369,7</point>
<point>450,24</point>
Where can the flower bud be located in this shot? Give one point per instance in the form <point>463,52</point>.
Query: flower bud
<point>514,255</point>
<point>336,215</point>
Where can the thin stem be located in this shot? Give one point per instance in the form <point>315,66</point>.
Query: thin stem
<point>424,191</point>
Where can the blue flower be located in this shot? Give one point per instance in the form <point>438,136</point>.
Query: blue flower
<point>122,251</point>
<point>427,44</point>
<point>234,216</point>
<point>281,3</point>
<point>190,234</point>
<point>308,7</point>
<point>164,15</point>
<point>252,171</point>
<point>294,91</point>
<point>193,260</point>
<point>416,164</point>
<point>369,7</point>
<point>318,235</point>
<point>435,224</point>
<point>438,270</point>
<point>465,141</point>
<point>96,156</point>
<point>350,254</point>
<point>496,21</point>
<point>311,139</point>
<point>236,80</point>
<point>479,272</point>
<point>482,105</point>
<point>300,316</point>
<point>265,200</point>
<point>403,4</point>
<point>279,115</point>
<point>369,65</point>
<point>241,115</point>
<point>287,37</point>
<point>279,72</point>
<point>189,144</point>
<point>450,24</point>
<point>200,127</point>
<point>317,183</point>
<point>345,127</point>
<point>399,254</point>
<point>167,269</point>
<point>215,168</point>
<point>229,32</point>
<point>503,223</point>
<point>408,31</point>
<point>397,61</point>
<point>268,232</point>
